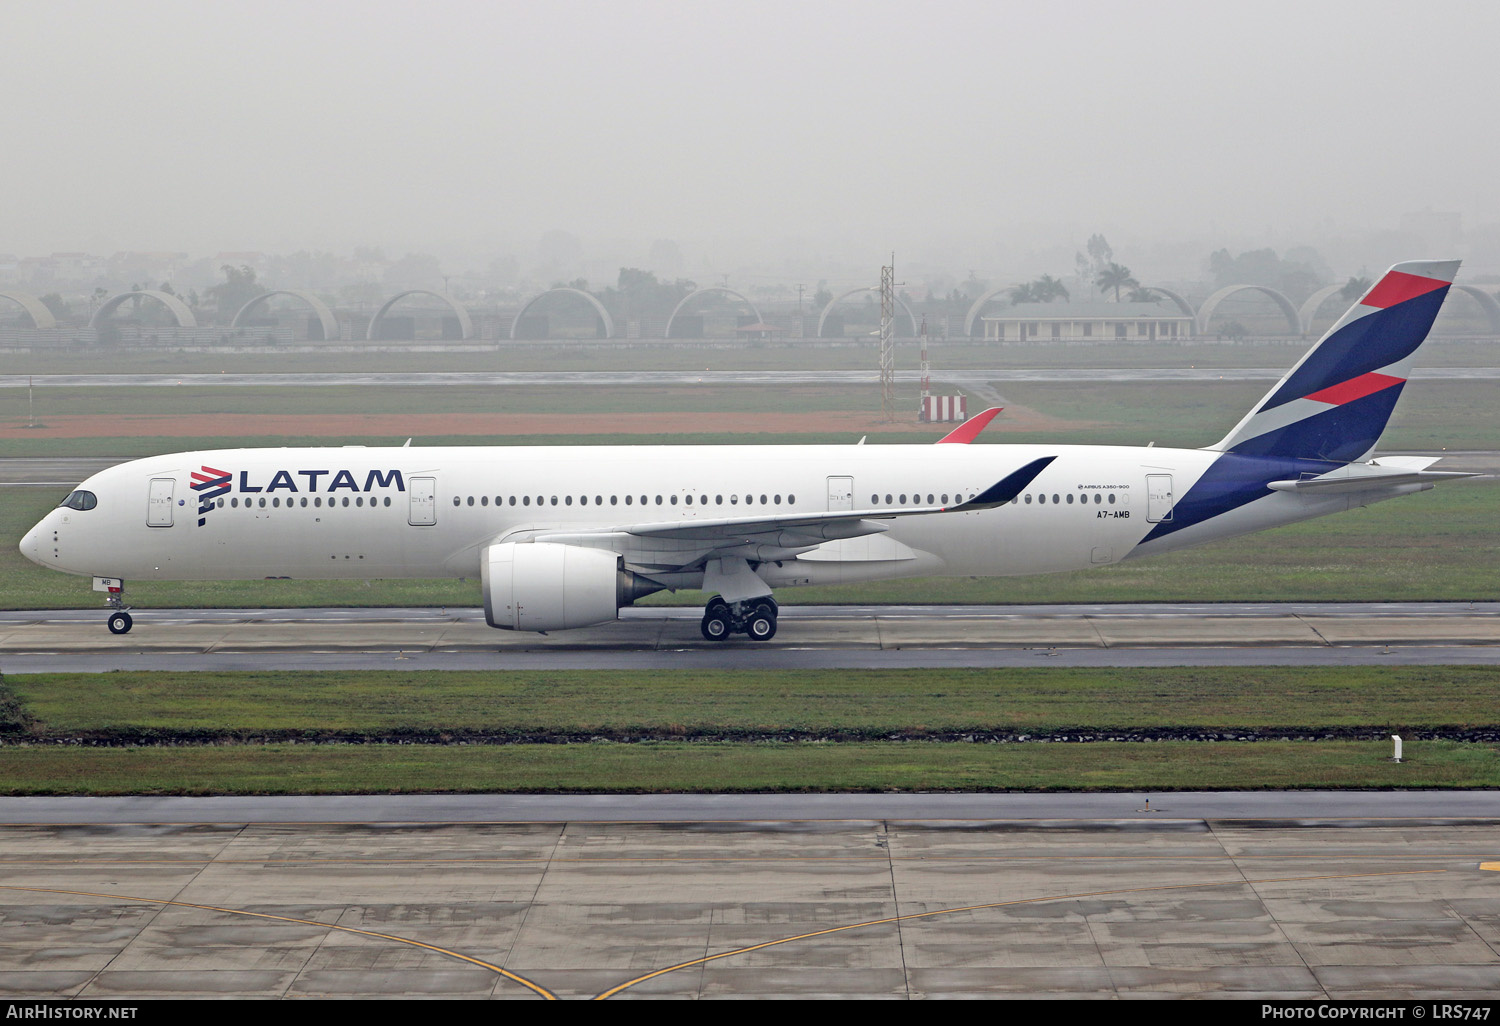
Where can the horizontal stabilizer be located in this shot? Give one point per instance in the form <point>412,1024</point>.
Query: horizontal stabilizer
<point>1387,472</point>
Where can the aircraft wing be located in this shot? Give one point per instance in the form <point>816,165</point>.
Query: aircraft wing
<point>682,543</point>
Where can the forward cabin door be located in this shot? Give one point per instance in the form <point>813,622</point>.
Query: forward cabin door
<point>1159,498</point>
<point>159,504</point>
<point>840,494</point>
<point>423,494</point>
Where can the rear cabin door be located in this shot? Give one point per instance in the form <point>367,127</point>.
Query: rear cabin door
<point>1159,498</point>
<point>159,505</point>
<point>840,493</point>
<point>423,493</point>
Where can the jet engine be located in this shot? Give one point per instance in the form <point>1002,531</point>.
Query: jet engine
<point>544,586</point>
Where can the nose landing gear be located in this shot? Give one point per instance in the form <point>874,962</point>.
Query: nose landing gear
<point>119,620</point>
<point>756,618</point>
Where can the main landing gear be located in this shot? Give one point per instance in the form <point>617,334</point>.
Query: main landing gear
<point>757,618</point>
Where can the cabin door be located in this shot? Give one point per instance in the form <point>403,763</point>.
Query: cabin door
<point>840,494</point>
<point>159,505</point>
<point>423,494</point>
<point>1159,498</point>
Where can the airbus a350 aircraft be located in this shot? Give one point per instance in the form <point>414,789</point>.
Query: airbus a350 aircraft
<point>563,537</point>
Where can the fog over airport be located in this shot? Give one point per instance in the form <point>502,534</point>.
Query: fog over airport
<point>764,141</point>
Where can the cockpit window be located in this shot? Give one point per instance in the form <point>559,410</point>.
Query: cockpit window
<point>80,500</point>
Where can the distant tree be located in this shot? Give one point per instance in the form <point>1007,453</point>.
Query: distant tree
<point>1298,278</point>
<point>238,288</point>
<point>1100,253</point>
<point>1115,277</point>
<point>822,297</point>
<point>166,287</point>
<point>1048,288</point>
<point>1024,293</point>
<point>1354,288</point>
<point>54,302</point>
<point>1142,295</point>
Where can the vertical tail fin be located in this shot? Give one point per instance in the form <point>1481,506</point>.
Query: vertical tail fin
<point>1336,401</point>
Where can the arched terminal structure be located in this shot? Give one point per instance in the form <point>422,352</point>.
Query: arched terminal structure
<point>1206,311</point>
<point>1314,303</point>
<point>911,317</point>
<point>466,326</point>
<point>177,307</point>
<point>1487,303</point>
<point>667,333</point>
<point>609,322</point>
<point>41,317</point>
<point>979,304</point>
<point>1180,302</point>
<point>325,316</point>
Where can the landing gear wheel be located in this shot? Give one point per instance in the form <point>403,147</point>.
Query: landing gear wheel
<point>120,623</point>
<point>762,625</point>
<point>715,626</point>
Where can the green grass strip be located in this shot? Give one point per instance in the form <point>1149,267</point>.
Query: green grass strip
<point>686,767</point>
<point>676,702</point>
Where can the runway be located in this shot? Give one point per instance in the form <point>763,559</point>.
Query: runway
<point>810,637</point>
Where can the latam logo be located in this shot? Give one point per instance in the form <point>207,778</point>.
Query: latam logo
<point>210,483</point>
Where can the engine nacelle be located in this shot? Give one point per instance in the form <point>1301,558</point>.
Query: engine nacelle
<point>543,586</point>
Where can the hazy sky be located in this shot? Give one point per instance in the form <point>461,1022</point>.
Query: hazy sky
<point>866,125</point>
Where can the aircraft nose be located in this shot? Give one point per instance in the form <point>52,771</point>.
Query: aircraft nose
<point>31,544</point>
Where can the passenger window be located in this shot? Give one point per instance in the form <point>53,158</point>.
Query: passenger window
<point>1111,498</point>
<point>674,500</point>
<point>734,500</point>
<point>387,501</point>
<point>554,500</point>
<point>628,499</point>
<point>658,500</point>
<point>791,500</point>
<point>583,500</point>
<point>718,500</point>
<point>598,500</point>
<point>526,500</point>
<point>1070,498</point>
<point>614,500</point>
<point>484,500</point>
<point>346,501</point>
<point>888,499</point>
<point>456,500</point>
<point>567,500</point>
<point>1028,498</point>
<point>945,498</point>
<point>262,503</point>
<point>234,503</point>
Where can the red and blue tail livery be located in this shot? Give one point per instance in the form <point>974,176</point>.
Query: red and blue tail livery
<point>1335,403</point>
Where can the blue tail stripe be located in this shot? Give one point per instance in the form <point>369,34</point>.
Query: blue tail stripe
<point>1229,483</point>
<point>1338,434</point>
<point>1374,341</point>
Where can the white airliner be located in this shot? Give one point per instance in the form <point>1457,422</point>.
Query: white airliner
<point>563,537</point>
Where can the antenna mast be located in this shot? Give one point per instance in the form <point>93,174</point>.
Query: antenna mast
<point>888,340</point>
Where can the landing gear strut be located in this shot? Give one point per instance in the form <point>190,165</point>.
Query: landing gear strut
<point>756,618</point>
<point>119,620</point>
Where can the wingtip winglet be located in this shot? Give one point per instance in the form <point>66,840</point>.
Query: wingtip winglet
<point>969,429</point>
